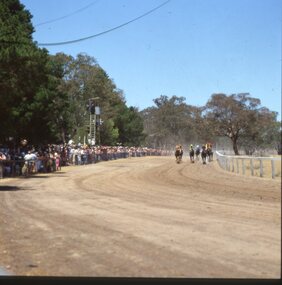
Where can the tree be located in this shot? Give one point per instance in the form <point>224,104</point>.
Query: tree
<point>170,122</point>
<point>25,74</point>
<point>43,98</point>
<point>61,121</point>
<point>262,132</point>
<point>84,79</point>
<point>130,125</point>
<point>239,117</point>
<point>109,133</point>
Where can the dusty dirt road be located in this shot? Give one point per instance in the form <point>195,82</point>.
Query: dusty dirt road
<point>145,217</point>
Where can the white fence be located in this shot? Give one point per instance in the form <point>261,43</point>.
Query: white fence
<point>250,165</point>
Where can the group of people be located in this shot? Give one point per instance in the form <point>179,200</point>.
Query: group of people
<point>205,153</point>
<point>28,159</point>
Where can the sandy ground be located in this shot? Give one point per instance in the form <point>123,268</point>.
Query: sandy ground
<point>141,217</point>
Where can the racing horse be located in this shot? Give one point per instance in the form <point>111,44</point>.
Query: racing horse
<point>204,154</point>
<point>209,154</point>
<point>191,154</point>
<point>198,151</point>
<point>178,153</point>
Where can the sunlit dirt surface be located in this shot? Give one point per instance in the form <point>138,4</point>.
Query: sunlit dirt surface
<point>141,217</point>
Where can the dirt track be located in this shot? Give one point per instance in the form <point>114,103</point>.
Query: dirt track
<point>145,217</point>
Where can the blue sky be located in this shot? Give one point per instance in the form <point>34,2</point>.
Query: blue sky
<point>189,48</point>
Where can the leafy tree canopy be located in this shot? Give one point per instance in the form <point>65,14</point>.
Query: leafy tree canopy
<point>25,79</point>
<point>238,116</point>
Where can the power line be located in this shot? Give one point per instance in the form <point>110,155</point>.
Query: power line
<point>66,16</point>
<point>58,19</point>
<point>104,32</point>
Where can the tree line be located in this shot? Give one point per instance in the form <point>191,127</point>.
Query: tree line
<point>43,98</point>
<point>237,118</point>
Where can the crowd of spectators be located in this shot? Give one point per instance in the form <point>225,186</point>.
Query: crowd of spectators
<point>30,159</point>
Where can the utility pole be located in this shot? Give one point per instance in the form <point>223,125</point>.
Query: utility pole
<point>97,123</point>
<point>92,120</point>
<point>91,128</point>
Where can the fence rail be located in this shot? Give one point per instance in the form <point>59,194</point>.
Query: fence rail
<point>251,165</point>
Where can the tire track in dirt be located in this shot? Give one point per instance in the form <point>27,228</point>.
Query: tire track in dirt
<point>142,217</point>
<point>36,214</point>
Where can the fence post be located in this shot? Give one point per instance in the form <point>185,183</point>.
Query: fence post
<point>228,163</point>
<point>252,167</point>
<point>243,166</point>
<point>272,168</point>
<point>260,168</point>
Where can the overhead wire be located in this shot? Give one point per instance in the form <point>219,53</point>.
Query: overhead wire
<point>66,16</point>
<point>107,31</point>
<point>60,18</point>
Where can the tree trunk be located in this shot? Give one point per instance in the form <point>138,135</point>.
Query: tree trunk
<point>235,146</point>
<point>63,136</point>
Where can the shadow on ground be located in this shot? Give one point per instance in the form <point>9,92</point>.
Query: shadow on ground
<point>10,188</point>
<point>35,176</point>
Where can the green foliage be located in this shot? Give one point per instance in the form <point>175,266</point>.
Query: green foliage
<point>262,131</point>
<point>240,118</point>
<point>130,125</point>
<point>43,97</point>
<point>109,133</point>
<point>84,79</point>
<point>170,122</point>
<point>23,77</point>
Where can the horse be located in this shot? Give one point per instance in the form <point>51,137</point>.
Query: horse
<point>191,154</point>
<point>178,154</point>
<point>210,154</point>
<point>197,153</point>
<point>204,155</point>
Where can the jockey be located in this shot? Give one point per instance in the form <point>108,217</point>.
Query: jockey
<point>178,150</point>
<point>204,154</point>
<point>181,150</point>
<point>209,145</point>
<point>209,151</point>
<point>191,153</point>
<point>178,153</point>
<point>197,152</point>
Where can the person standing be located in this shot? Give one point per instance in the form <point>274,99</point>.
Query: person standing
<point>2,159</point>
